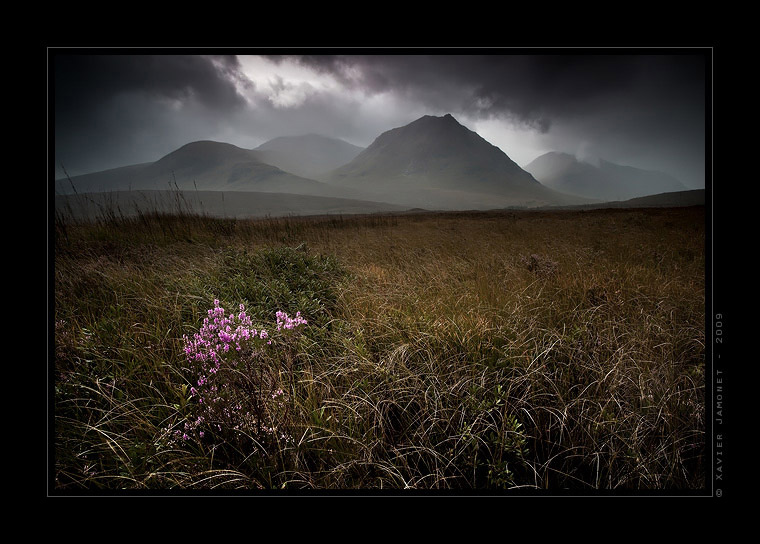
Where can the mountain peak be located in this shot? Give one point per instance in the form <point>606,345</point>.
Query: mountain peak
<point>435,118</point>
<point>438,157</point>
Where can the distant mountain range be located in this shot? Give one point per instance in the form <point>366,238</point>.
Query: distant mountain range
<point>606,181</point>
<point>433,163</point>
<point>310,156</point>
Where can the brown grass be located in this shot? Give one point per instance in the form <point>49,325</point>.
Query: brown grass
<point>522,350</point>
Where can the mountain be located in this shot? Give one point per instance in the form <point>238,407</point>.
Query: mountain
<point>203,165</point>
<point>607,181</point>
<point>435,162</point>
<point>309,156</point>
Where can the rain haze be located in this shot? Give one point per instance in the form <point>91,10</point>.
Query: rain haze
<point>637,108</point>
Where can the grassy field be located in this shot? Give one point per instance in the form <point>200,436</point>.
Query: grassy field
<point>510,351</point>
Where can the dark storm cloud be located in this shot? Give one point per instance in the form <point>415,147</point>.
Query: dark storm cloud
<point>118,107</point>
<point>81,80</point>
<point>534,89</point>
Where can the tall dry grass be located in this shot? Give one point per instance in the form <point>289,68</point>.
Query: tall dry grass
<point>462,351</point>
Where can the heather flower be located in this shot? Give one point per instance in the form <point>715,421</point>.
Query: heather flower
<point>227,342</point>
<point>285,322</point>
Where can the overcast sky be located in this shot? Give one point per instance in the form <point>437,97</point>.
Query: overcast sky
<point>645,110</point>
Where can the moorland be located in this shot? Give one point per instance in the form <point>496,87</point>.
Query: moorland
<point>503,351</point>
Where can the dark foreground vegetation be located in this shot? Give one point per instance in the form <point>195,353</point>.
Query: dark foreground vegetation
<point>505,351</point>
